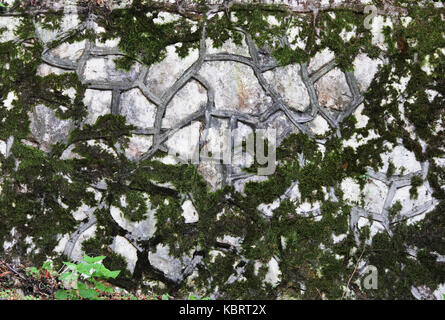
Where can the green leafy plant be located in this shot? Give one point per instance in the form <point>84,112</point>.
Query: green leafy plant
<point>193,297</point>
<point>93,272</point>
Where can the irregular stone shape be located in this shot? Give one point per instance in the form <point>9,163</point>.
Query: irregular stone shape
<point>267,209</point>
<point>236,87</point>
<point>228,47</point>
<point>98,103</point>
<point>241,183</point>
<point>217,142</point>
<point>374,195</point>
<point>185,142</point>
<point>287,82</point>
<point>10,24</point>
<point>104,69</point>
<point>69,21</point>
<point>68,154</point>
<point>164,74</point>
<point>362,120</point>
<point>77,252</point>
<point>142,230</point>
<point>173,268</point>
<point>320,59</point>
<point>319,125</point>
<point>377,25</point>
<point>47,128</point>
<point>333,90</point>
<point>357,140</point>
<point>189,212</point>
<point>44,70</point>
<point>365,69</point>
<point>274,273</point>
<point>212,173</point>
<point>401,157</point>
<point>230,240</point>
<point>10,98</point>
<point>123,247</point>
<point>137,146</point>
<point>188,100</point>
<point>351,190</point>
<point>138,110</point>
<point>295,41</point>
<point>403,196</point>
<point>70,51</point>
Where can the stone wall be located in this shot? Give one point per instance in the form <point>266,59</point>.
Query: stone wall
<point>92,100</point>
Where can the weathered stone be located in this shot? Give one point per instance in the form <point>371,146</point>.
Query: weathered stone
<point>332,90</point>
<point>164,74</point>
<point>98,103</point>
<point>138,110</point>
<point>189,212</point>
<point>123,247</point>
<point>188,100</point>
<point>47,128</point>
<point>287,82</point>
<point>236,87</point>
<point>142,230</point>
<point>104,69</point>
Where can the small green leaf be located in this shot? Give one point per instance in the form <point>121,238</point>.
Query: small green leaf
<point>100,286</point>
<point>192,297</point>
<point>61,295</point>
<point>68,276</point>
<point>92,260</point>
<point>88,293</point>
<point>70,265</point>
<point>165,296</point>
<point>47,266</point>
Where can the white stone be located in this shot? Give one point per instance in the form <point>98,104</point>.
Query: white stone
<point>98,103</point>
<point>188,100</point>
<point>287,82</point>
<point>44,70</point>
<point>374,195</point>
<point>230,240</point>
<point>11,24</point>
<point>333,90</point>
<point>319,125</point>
<point>10,98</point>
<point>377,25</point>
<point>164,74</point>
<point>228,47</point>
<point>77,253</point>
<point>137,146</point>
<point>362,120</point>
<point>267,209</point>
<point>70,51</point>
<point>320,59</point>
<point>236,87</point>
<point>185,142</point>
<point>365,69</point>
<point>47,128</point>
<point>123,247</point>
<point>189,212</point>
<point>351,190</point>
<point>170,266</point>
<point>401,157</point>
<point>104,69</point>
<point>274,273</point>
<point>143,230</point>
<point>138,110</point>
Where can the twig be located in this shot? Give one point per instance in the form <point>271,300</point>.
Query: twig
<point>350,278</point>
